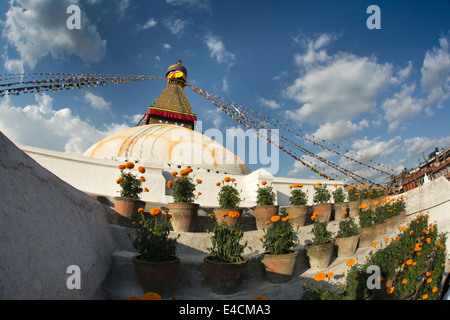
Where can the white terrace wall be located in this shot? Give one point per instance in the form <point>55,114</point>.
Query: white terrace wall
<point>99,176</point>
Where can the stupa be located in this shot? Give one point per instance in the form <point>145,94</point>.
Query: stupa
<point>168,135</point>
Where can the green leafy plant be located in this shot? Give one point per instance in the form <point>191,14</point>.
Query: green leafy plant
<point>338,195</point>
<point>131,184</point>
<point>225,240</point>
<point>298,196</point>
<point>265,195</point>
<point>183,187</point>
<point>320,233</point>
<point>352,193</point>
<point>321,291</point>
<point>280,236</point>
<point>229,197</point>
<point>347,228</point>
<point>321,193</point>
<point>151,239</point>
<point>366,216</point>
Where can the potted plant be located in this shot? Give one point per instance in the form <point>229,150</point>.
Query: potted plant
<point>299,204</point>
<point>131,189</point>
<point>265,204</point>
<point>183,209</point>
<point>157,267</point>
<point>229,200</point>
<point>322,204</point>
<point>394,213</point>
<point>279,239</point>
<point>225,265</point>
<point>366,230</point>
<point>378,218</point>
<point>339,205</point>
<point>347,237</point>
<point>353,200</point>
<point>321,249</point>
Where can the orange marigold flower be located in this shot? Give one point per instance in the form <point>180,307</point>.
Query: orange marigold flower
<point>425,296</point>
<point>233,180</point>
<point>146,190</point>
<point>129,165</point>
<point>374,244</point>
<point>199,181</point>
<point>264,183</point>
<point>335,185</point>
<point>386,239</point>
<point>119,180</point>
<point>155,212</point>
<point>227,179</point>
<point>429,280</point>
<point>234,214</point>
<point>404,281</point>
<point>350,262</point>
<point>320,276</point>
<point>267,222</point>
<point>176,179</point>
<point>434,289</point>
<point>389,290</point>
<point>224,214</point>
<point>275,218</point>
<point>199,193</point>
<point>408,262</point>
<point>174,173</point>
<point>428,273</point>
<point>122,166</point>
<point>141,169</point>
<point>169,184</point>
<point>142,179</point>
<point>261,239</point>
<point>344,213</point>
<point>330,275</point>
<point>140,209</point>
<point>151,296</point>
<point>218,184</point>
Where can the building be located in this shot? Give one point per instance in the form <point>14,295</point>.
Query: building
<point>437,165</point>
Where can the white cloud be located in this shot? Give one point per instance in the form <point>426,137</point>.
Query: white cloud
<point>272,104</point>
<point>336,87</point>
<point>401,107</point>
<point>200,4</point>
<point>225,86</point>
<point>375,149</point>
<point>415,147</point>
<point>38,28</point>
<point>436,73</point>
<point>339,130</point>
<point>97,102</point>
<point>218,51</point>
<point>150,24</point>
<point>14,65</point>
<point>166,46</point>
<point>43,126</point>
<point>176,27</point>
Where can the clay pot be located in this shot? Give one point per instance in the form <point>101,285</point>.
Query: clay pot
<point>128,207</point>
<point>366,236</point>
<point>264,213</point>
<point>279,267</point>
<point>232,222</point>
<point>346,247</point>
<point>298,214</point>
<point>158,277</point>
<point>324,211</point>
<point>353,208</point>
<point>380,229</point>
<point>339,208</point>
<point>320,255</point>
<point>224,277</point>
<point>184,216</point>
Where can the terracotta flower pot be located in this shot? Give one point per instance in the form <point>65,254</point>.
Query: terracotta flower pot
<point>390,223</point>
<point>346,247</point>
<point>232,222</point>
<point>380,229</point>
<point>298,214</point>
<point>184,216</point>
<point>324,211</point>
<point>223,277</point>
<point>158,277</point>
<point>128,207</point>
<point>279,267</point>
<point>353,208</point>
<point>264,213</point>
<point>366,236</point>
<point>339,208</point>
<point>320,255</point>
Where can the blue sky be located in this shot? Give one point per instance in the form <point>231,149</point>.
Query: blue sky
<point>382,94</point>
